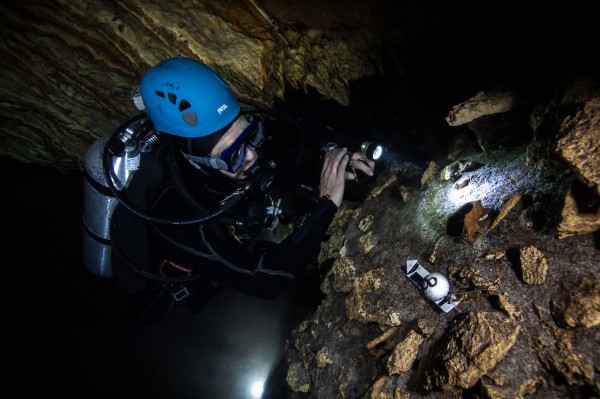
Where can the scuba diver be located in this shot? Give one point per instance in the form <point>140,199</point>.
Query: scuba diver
<point>195,207</point>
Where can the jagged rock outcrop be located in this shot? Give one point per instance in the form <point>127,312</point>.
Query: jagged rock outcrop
<point>557,353</point>
<point>471,348</point>
<point>479,105</point>
<point>533,265</point>
<point>496,118</point>
<point>528,313</point>
<point>579,305</point>
<point>580,145</point>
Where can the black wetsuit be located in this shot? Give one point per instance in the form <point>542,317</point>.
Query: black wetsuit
<point>144,251</point>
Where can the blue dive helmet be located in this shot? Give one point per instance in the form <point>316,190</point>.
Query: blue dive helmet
<point>186,98</point>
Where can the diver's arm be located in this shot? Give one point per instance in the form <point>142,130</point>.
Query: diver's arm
<point>287,258</point>
<point>301,247</point>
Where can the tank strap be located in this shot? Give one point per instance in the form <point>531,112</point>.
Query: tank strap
<point>102,189</point>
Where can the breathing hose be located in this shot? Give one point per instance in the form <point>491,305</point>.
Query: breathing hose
<point>111,149</point>
<point>114,147</point>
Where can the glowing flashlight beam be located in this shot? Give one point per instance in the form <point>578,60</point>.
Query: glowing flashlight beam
<point>257,389</point>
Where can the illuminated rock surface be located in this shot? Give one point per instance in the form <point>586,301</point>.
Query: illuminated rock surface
<point>535,333</point>
<point>484,344</point>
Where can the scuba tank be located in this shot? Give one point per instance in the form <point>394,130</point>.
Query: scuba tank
<point>118,156</point>
<point>127,143</point>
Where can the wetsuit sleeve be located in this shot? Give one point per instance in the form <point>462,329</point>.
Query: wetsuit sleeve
<point>295,252</point>
<point>286,259</point>
<point>265,272</point>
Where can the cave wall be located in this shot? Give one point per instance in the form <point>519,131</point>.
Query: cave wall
<point>70,68</point>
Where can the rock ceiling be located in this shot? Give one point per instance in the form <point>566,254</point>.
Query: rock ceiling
<point>71,67</point>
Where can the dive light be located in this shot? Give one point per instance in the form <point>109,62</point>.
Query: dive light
<point>372,150</point>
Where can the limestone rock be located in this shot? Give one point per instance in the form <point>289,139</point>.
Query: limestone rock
<point>496,390</point>
<point>479,105</point>
<point>581,144</point>
<point>323,358</point>
<point>573,221</point>
<point>472,347</point>
<point>298,378</point>
<point>505,209</point>
<point>341,276</point>
<point>367,242</point>
<point>365,223</point>
<point>404,354</point>
<point>335,245</point>
<point>555,350</point>
<point>579,306</point>
<point>430,173</point>
<point>482,347</point>
<point>533,265</point>
<point>426,327</point>
<point>361,304</point>
<point>386,388</point>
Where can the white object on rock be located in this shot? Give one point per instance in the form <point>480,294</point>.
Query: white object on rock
<point>435,286</point>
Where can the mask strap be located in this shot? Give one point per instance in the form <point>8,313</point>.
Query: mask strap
<point>213,162</point>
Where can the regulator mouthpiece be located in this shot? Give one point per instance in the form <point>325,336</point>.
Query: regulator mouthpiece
<point>261,176</point>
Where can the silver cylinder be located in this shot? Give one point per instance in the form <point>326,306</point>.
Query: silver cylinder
<point>98,206</point>
<point>99,201</point>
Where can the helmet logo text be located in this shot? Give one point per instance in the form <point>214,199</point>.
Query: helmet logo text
<point>222,109</point>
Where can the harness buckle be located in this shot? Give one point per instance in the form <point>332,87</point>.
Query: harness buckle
<point>233,234</point>
<point>178,292</point>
